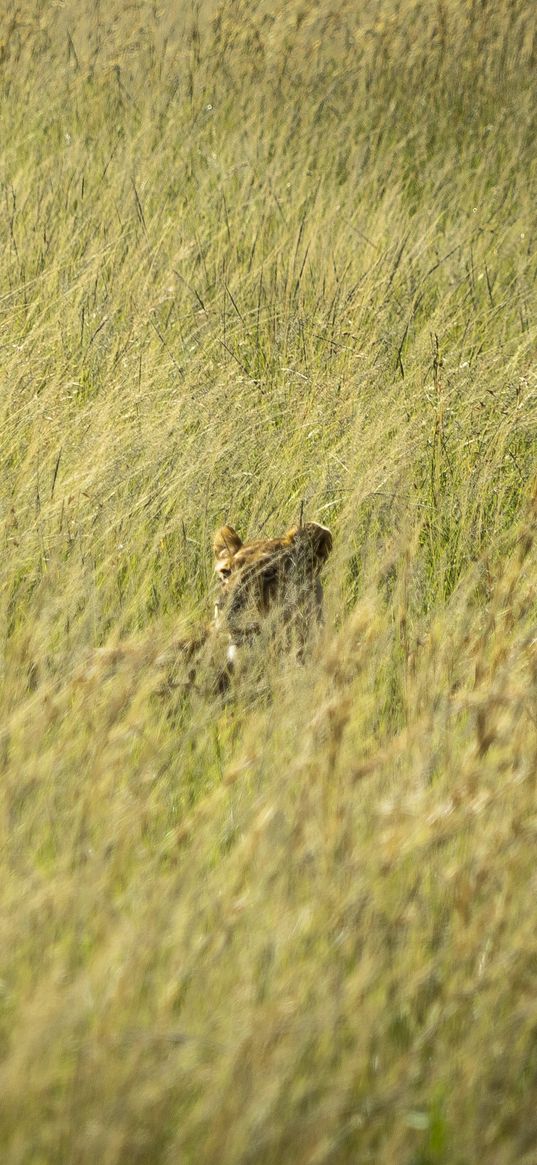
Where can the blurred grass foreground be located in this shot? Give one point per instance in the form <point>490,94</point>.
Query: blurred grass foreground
<point>256,260</point>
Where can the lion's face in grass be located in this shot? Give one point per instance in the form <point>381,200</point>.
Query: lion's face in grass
<point>276,578</point>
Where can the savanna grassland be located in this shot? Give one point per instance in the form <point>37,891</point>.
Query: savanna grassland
<point>262,260</point>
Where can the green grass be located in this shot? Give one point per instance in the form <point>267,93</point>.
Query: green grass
<point>260,261</point>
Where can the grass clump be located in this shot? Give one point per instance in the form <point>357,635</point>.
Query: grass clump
<point>261,261</point>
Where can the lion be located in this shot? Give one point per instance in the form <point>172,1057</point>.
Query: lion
<point>270,575</point>
<point>271,584</point>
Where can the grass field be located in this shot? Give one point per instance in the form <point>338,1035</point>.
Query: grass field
<point>260,260</point>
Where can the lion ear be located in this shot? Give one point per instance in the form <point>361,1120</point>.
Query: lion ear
<point>226,542</point>
<point>323,541</point>
<point>316,541</point>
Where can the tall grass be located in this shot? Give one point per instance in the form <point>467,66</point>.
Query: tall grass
<point>258,261</point>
